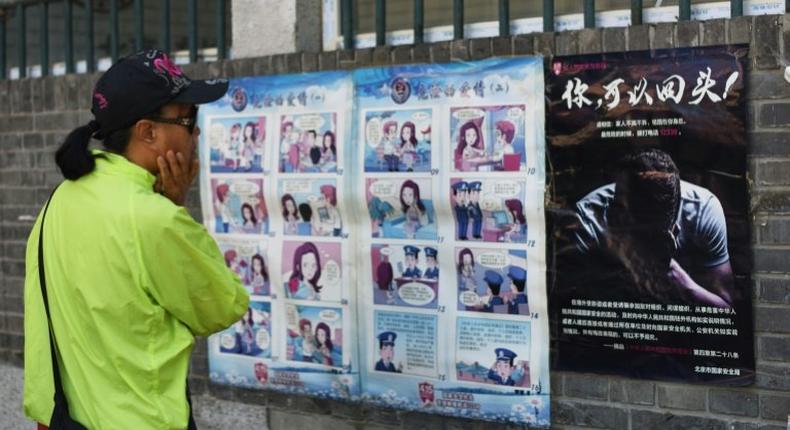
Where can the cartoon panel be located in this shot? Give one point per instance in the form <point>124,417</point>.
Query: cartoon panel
<point>309,207</point>
<point>406,343</point>
<point>493,352</point>
<point>398,140</point>
<point>237,144</point>
<point>488,138</point>
<point>405,275</point>
<point>490,210</point>
<point>401,208</point>
<point>311,270</point>
<point>251,335</point>
<point>247,258</point>
<point>492,280</point>
<point>308,143</point>
<point>239,206</point>
<point>315,335</point>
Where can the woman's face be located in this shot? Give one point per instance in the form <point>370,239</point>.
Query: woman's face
<point>309,265</point>
<point>392,132</point>
<point>467,260</point>
<point>327,141</point>
<point>405,133</point>
<point>470,136</point>
<point>256,265</point>
<point>320,335</point>
<point>408,196</point>
<point>500,137</point>
<point>290,207</point>
<point>247,212</point>
<point>248,132</point>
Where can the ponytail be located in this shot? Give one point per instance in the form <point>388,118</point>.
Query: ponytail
<point>73,157</point>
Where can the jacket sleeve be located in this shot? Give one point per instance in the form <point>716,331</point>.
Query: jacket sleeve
<point>185,273</point>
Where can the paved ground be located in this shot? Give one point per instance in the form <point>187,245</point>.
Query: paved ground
<point>210,413</point>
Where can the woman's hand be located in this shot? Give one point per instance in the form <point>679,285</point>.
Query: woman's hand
<point>176,175</point>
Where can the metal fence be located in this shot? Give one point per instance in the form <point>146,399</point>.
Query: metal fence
<point>348,14</point>
<point>16,15</point>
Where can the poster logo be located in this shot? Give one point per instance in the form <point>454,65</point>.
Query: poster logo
<point>400,90</point>
<point>238,99</point>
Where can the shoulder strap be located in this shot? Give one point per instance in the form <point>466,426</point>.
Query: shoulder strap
<point>60,397</point>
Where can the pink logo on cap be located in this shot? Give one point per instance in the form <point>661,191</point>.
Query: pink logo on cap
<point>101,100</point>
<point>164,64</point>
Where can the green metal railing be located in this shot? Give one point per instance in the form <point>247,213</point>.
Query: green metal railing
<point>18,12</point>
<point>347,16</point>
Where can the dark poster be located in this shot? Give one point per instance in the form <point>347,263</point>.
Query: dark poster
<point>649,215</point>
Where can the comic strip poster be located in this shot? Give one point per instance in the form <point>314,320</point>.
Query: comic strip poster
<point>273,153</point>
<point>449,192</point>
<point>649,214</point>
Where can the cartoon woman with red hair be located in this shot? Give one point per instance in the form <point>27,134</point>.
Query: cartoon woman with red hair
<point>222,211</point>
<point>504,132</point>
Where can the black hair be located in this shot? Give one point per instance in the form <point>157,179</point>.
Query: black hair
<point>305,211</point>
<point>495,288</point>
<point>520,284</point>
<point>647,189</point>
<point>315,155</point>
<point>73,157</point>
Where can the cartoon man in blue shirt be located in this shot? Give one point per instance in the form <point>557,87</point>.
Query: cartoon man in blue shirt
<point>474,209</point>
<point>460,191</point>
<point>494,281</point>
<point>412,253</point>
<point>518,280</point>
<point>431,271</point>
<point>387,353</point>
<point>503,371</point>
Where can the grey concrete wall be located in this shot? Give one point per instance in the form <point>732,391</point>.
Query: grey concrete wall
<point>39,112</point>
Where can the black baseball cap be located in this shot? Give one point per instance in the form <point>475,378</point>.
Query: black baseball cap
<point>139,85</point>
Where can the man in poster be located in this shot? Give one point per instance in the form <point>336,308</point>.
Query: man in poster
<point>387,353</point>
<point>660,229</point>
<point>504,372</point>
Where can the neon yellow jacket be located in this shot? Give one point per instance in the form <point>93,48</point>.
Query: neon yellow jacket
<point>131,279</point>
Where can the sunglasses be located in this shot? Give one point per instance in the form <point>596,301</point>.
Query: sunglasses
<point>185,121</point>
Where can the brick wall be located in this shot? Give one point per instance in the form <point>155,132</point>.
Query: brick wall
<point>38,113</point>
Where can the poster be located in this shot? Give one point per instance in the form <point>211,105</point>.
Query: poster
<point>649,214</point>
<point>449,161</point>
<point>389,226</point>
<point>273,181</point>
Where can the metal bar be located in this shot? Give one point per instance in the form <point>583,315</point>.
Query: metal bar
<point>736,8</point>
<point>90,56</point>
<point>589,13</point>
<point>114,30</point>
<point>69,41</point>
<point>193,32</point>
<point>504,18</point>
<point>548,15</point>
<point>381,22</point>
<point>347,24</point>
<point>636,12</point>
<point>2,45</point>
<point>684,10</point>
<point>139,29</point>
<point>419,21</point>
<point>44,38</point>
<point>165,26</point>
<point>458,19</point>
<point>221,29</point>
<point>21,50</point>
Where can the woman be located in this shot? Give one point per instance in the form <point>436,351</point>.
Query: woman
<point>249,222</point>
<point>232,261</point>
<point>306,272</point>
<point>286,142</point>
<point>323,342</point>
<point>247,335</point>
<point>235,146</point>
<point>248,143</point>
<point>518,231</point>
<point>119,219</point>
<point>291,218</point>
<point>470,144</point>
<point>328,152</point>
<point>412,207</point>
<point>259,276</point>
<point>466,270</point>
<point>408,145</point>
<point>504,132</point>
